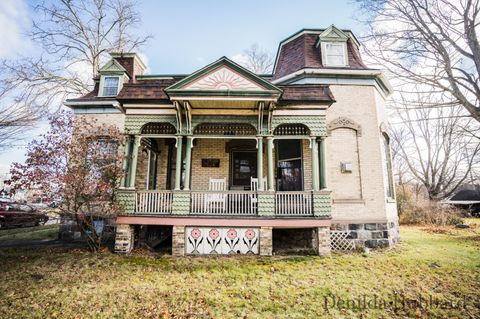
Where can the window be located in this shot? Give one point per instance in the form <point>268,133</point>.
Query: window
<point>110,85</point>
<point>335,54</point>
<point>289,165</point>
<point>388,166</point>
<point>101,154</point>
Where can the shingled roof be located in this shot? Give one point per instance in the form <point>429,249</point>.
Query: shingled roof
<point>145,90</point>
<point>306,93</point>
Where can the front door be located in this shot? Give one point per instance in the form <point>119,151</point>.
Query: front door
<point>243,168</point>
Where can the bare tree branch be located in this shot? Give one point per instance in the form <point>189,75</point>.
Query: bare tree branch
<point>74,37</point>
<point>433,43</point>
<point>258,60</point>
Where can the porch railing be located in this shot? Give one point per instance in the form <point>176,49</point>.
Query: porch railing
<point>293,203</point>
<point>153,202</point>
<point>224,203</point>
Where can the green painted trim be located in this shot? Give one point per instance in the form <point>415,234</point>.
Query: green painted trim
<point>181,203</point>
<point>315,165</point>
<point>134,123</point>
<point>316,124</point>
<point>225,119</point>
<point>323,166</point>
<point>270,165</point>
<point>223,61</point>
<point>232,93</point>
<point>322,204</point>
<point>133,166</point>
<point>266,204</point>
<point>126,199</point>
<point>260,163</point>
<point>112,66</point>
<point>178,163</point>
<point>188,163</point>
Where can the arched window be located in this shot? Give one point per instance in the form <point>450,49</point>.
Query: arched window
<point>158,128</point>
<point>292,129</point>
<point>225,129</point>
<point>387,165</point>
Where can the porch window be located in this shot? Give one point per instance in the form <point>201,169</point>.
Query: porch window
<point>289,168</point>
<point>110,85</point>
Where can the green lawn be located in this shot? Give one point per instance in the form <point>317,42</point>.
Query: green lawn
<point>443,263</point>
<point>30,233</point>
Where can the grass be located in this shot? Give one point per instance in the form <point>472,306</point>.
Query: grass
<point>30,233</point>
<point>440,262</point>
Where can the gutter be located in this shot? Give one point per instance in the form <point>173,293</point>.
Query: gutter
<point>114,103</point>
<point>372,73</point>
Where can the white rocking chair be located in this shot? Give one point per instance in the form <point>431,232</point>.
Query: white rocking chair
<point>216,202</point>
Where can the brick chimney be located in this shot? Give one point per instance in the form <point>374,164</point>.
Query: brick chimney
<point>131,62</point>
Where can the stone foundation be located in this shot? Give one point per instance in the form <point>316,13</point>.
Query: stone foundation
<point>178,241</point>
<point>124,239</point>
<point>321,241</point>
<point>372,235</point>
<point>266,243</point>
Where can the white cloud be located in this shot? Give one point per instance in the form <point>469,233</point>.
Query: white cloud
<point>13,19</point>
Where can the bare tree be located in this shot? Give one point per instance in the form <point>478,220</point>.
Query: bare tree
<point>258,60</point>
<point>433,146</point>
<point>431,42</point>
<point>74,37</point>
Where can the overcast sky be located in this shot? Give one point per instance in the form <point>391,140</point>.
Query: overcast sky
<point>190,34</point>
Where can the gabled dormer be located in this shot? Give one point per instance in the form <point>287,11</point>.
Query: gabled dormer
<point>112,77</point>
<point>333,46</point>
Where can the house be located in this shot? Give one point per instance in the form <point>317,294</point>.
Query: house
<point>223,160</point>
<point>466,198</point>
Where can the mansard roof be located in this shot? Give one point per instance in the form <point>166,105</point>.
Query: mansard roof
<point>301,51</point>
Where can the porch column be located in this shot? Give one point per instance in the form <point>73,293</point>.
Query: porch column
<point>133,167</point>
<point>260,163</point>
<point>323,164</point>
<point>188,162</point>
<point>124,182</point>
<point>178,163</point>
<point>270,164</point>
<point>314,153</point>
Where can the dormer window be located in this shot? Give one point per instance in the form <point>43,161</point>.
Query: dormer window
<point>335,54</point>
<point>112,77</point>
<point>333,44</point>
<point>110,85</point>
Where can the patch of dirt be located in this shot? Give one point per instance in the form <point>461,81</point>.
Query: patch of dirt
<point>437,229</point>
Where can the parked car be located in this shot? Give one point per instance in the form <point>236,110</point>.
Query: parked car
<point>17,215</point>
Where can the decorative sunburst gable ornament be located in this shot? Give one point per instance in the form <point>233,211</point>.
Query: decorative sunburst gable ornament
<point>223,78</point>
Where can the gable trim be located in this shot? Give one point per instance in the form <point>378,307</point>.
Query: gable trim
<point>270,89</point>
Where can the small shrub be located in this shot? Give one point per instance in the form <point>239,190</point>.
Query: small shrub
<point>431,214</point>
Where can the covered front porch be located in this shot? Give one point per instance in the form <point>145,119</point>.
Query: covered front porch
<point>226,147</point>
<point>239,173</point>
